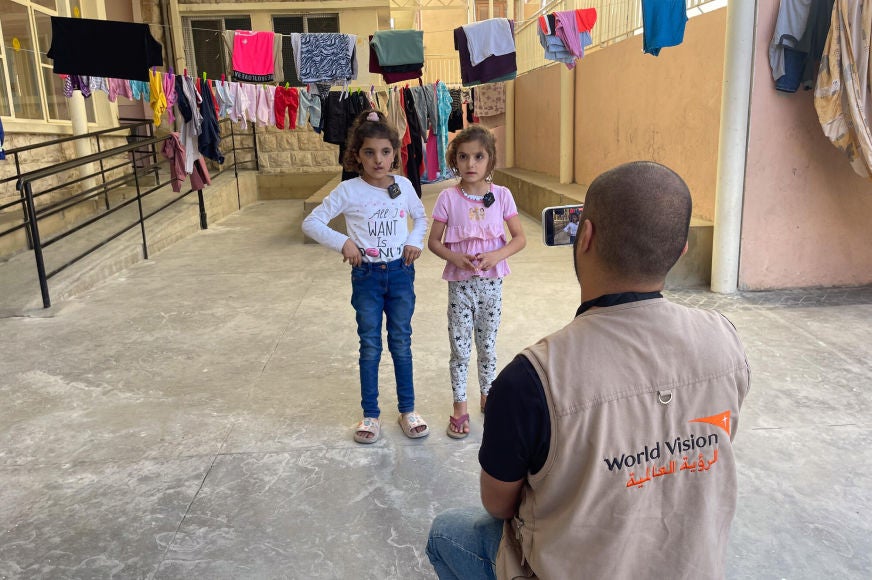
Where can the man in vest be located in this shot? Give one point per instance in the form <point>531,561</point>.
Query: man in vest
<point>607,449</point>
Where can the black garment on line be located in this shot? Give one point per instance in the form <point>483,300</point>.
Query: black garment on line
<point>416,147</point>
<point>103,48</point>
<point>210,133</point>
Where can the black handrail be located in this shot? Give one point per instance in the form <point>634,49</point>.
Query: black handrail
<point>32,214</point>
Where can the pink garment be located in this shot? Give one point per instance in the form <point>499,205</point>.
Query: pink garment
<point>169,87</point>
<point>263,106</point>
<point>471,228</point>
<point>567,31</point>
<point>253,52</point>
<point>174,151</point>
<point>432,157</point>
<point>271,100</point>
<point>119,87</point>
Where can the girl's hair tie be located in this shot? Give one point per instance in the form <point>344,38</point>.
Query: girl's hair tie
<point>372,116</point>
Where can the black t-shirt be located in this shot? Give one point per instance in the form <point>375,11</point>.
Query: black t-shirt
<point>517,425</point>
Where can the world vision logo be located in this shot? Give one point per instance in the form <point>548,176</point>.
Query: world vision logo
<point>698,453</point>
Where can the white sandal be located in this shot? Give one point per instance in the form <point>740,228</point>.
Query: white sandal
<point>367,425</point>
<point>409,421</point>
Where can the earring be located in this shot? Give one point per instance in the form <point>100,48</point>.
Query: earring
<point>456,171</point>
<point>489,178</point>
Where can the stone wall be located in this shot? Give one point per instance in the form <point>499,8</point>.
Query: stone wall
<point>295,151</point>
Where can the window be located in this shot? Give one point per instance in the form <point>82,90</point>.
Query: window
<point>204,45</point>
<point>481,10</point>
<point>302,23</point>
<point>29,90</point>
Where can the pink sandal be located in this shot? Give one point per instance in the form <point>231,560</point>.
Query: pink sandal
<point>457,423</point>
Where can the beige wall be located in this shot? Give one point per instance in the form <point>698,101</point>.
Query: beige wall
<point>807,215</point>
<point>537,120</point>
<point>632,106</point>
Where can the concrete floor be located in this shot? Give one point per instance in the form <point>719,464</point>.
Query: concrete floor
<point>191,418</point>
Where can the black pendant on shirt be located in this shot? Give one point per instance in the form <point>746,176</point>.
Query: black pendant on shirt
<point>487,199</point>
<point>394,191</point>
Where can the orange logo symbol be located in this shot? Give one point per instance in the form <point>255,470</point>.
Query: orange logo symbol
<point>721,420</point>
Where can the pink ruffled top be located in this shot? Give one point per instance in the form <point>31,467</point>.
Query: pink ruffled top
<point>471,228</point>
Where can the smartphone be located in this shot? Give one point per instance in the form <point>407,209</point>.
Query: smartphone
<point>560,224</point>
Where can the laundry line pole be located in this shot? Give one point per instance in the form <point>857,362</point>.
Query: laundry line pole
<point>733,144</point>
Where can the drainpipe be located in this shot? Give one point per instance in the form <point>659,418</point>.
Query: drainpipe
<point>567,124</point>
<point>733,145</point>
<point>510,103</point>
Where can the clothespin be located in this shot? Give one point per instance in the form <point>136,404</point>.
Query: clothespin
<point>171,71</point>
<point>185,73</point>
<point>287,85</point>
<point>204,77</point>
<point>372,89</point>
<point>223,77</point>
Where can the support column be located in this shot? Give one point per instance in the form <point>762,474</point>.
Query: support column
<point>510,103</point>
<point>567,125</point>
<point>175,36</point>
<point>79,119</point>
<point>733,145</point>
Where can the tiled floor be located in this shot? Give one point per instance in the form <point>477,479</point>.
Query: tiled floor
<point>191,418</point>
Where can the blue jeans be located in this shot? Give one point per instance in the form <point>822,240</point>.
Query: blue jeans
<point>387,288</point>
<point>463,544</point>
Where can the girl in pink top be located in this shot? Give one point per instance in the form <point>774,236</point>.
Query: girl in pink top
<point>468,234</point>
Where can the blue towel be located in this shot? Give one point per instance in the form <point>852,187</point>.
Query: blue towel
<point>664,22</point>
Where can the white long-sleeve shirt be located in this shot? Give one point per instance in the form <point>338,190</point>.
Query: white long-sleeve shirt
<point>377,224</point>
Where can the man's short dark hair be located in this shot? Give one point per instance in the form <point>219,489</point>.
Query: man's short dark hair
<point>641,215</point>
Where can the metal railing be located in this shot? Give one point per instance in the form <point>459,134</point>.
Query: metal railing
<point>140,156</point>
<point>441,67</point>
<point>617,20</point>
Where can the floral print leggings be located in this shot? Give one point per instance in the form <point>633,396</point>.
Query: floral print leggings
<point>474,305</point>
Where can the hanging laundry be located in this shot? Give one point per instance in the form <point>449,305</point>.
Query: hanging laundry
<point>443,104</point>
<point>784,60</point>
<point>664,22</point>
<point>398,47</point>
<point>415,147</point>
<point>814,38</point>
<point>169,87</point>
<point>287,99</point>
<point>158,100</point>
<point>98,84</point>
<point>330,57</point>
<point>119,87</point>
<point>425,108</point>
<point>193,121</point>
<point>106,48</point>
<point>455,118</point>
<point>209,138</point>
<point>253,57</point>
<point>140,91</point>
<point>490,104</point>
<point>492,69</point>
<point>841,97</point>
<point>174,151</point>
<point>491,37</point>
<point>77,83</point>
<point>394,74</point>
<point>309,110</point>
<point>277,67</point>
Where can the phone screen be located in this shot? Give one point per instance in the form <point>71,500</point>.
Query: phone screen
<point>560,224</point>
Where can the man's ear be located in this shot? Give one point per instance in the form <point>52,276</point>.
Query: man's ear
<point>585,236</point>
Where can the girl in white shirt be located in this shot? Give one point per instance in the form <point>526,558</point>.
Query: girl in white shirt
<point>381,251</point>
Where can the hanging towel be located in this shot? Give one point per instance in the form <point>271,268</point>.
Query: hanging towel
<point>394,74</point>
<point>490,99</point>
<point>103,48</point>
<point>253,58</point>
<point>664,22</point>
<point>491,37</point>
<point>492,69</point>
<point>841,97</point>
<point>398,47</point>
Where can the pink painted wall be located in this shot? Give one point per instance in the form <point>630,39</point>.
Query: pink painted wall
<point>631,106</point>
<point>807,216</point>
<point>537,118</point>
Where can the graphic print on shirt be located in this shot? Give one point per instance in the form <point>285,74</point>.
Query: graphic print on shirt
<point>698,454</point>
<point>476,214</point>
<point>382,225</point>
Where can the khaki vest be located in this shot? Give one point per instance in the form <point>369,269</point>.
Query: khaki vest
<point>640,479</point>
